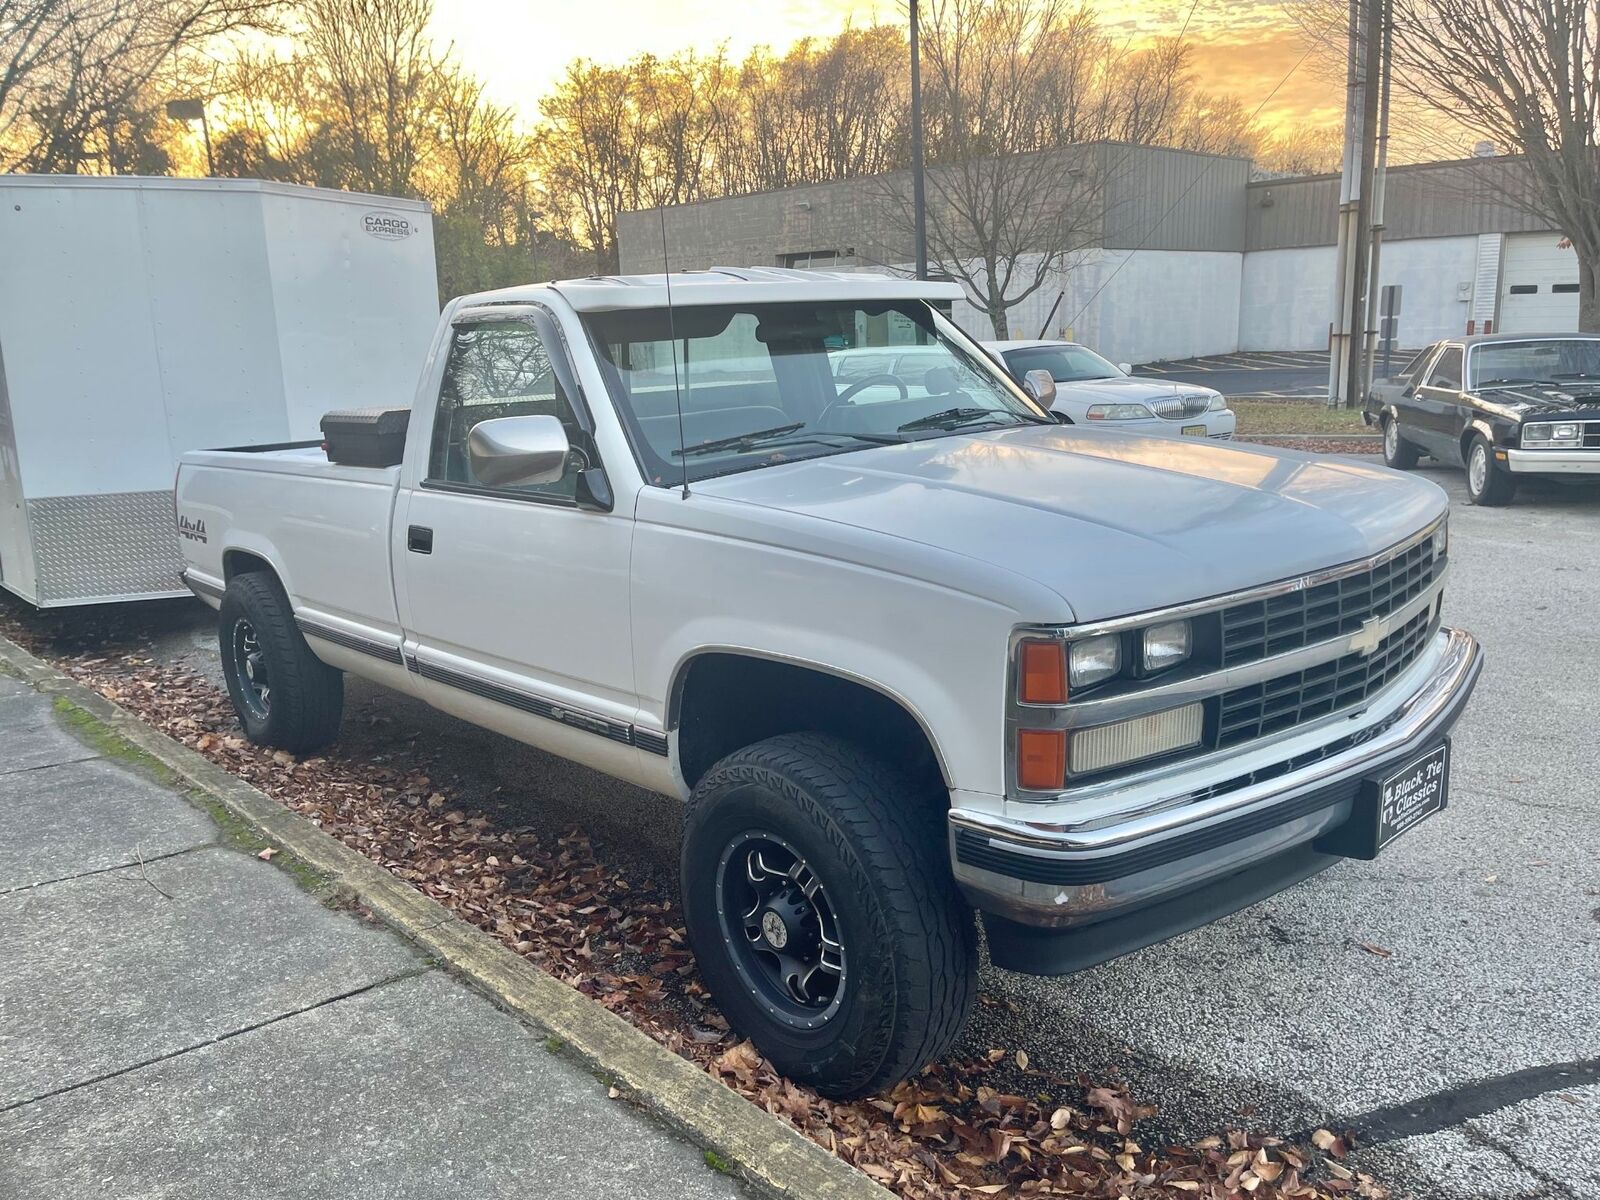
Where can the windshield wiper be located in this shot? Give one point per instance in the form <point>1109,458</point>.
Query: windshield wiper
<point>743,441</point>
<point>951,417</point>
<point>780,435</point>
<point>1488,383</point>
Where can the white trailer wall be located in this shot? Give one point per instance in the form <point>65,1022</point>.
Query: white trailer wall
<point>141,318</point>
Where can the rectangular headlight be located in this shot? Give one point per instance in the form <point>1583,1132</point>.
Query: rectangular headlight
<point>1536,433</point>
<point>1166,645</point>
<point>1567,431</point>
<point>1107,746</point>
<point>1094,659</point>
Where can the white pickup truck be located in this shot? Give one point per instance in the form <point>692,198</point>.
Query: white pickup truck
<point>902,656</point>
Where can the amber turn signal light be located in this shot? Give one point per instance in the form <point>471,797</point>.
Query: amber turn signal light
<point>1041,759</point>
<point>1042,674</point>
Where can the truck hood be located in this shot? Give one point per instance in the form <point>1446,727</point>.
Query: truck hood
<point>1113,523</point>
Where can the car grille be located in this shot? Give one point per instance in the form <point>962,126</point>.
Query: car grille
<point>1176,408</point>
<point>1260,709</point>
<point>1260,629</point>
<point>1591,435</point>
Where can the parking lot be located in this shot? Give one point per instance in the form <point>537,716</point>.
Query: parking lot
<point>1275,375</point>
<point>1444,1001</point>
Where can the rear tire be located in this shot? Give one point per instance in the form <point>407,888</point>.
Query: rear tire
<point>285,695</point>
<point>818,899</point>
<point>1397,452</point>
<point>1488,483</point>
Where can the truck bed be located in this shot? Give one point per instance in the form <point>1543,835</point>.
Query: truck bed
<point>324,527</point>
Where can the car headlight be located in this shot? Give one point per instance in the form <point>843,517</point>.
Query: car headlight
<point>1564,432</point>
<point>1119,412</point>
<point>1441,539</point>
<point>1166,645</point>
<point>1218,403</point>
<point>1093,660</point>
<point>1536,433</point>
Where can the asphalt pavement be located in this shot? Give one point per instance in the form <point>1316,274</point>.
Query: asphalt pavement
<point>1283,375</point>
<point>1444,1000</point>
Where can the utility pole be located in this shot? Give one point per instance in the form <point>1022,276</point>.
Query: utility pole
<point>1379,181</point>
<point>919,197</point>
<point>1355,189</point>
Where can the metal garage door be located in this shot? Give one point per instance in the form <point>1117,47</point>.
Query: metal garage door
<point>1538,285</point>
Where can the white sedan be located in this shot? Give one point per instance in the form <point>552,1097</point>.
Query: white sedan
<point>1091,390</point>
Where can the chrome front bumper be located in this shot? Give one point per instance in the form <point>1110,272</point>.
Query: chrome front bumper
<point>1553,462</point>
<point>1046,871</point>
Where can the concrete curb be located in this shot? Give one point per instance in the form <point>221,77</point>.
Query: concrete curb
<point>768,1153</point>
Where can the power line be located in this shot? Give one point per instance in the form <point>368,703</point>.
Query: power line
<point>1184,195</point>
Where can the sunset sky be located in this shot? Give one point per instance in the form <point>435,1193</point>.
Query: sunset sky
<point>520,48</point>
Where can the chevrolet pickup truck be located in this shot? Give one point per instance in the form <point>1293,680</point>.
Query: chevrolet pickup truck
<point>908,649</point>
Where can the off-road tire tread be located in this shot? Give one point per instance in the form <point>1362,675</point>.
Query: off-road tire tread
<point>901,837</point>
<point>307,694</point>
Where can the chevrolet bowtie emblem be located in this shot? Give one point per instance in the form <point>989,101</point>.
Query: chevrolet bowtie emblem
<point>1370,636</point>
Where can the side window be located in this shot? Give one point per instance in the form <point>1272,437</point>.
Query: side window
<point>1446,371</point>
<point>1414,369</point>
<point>498,370</point>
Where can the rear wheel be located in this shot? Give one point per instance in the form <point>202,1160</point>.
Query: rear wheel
<point>818,899</point>
<point>1397,452</point>
<point>285,695</point>
<point>1488,483</point>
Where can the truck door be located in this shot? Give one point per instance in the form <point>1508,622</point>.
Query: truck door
<point>515,599</point>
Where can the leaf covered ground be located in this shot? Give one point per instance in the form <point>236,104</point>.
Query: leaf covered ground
<point>994,1125</point>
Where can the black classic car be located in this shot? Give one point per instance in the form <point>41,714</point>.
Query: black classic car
<point>1503,405</point>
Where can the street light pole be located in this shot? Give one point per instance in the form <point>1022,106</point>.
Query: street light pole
<point>919,198</point>
<point>194,110</point>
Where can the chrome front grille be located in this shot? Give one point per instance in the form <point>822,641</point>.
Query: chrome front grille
<point>1177,408</point>
<point>1279,624</point>
<point>1258,710</point>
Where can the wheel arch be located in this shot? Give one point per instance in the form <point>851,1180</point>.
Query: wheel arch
<point>747,694</point>
<point>1474,427</point>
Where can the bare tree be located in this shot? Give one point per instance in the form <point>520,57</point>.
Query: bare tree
<point>1526,73</point>
<point>76,75</point>
<point>379,65</point>
<point>1005,215</point>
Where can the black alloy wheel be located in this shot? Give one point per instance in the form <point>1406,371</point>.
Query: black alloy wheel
<point>781,928</point>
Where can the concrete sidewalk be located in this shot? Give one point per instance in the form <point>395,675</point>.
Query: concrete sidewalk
<point>178,1018</point>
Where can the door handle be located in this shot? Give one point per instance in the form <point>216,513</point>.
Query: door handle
<point>419,539</point>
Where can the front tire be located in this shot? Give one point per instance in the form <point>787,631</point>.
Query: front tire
<point>818,899</point>
<point>1488,483</point>
<point>285,695</point>
<point>1397,452</point>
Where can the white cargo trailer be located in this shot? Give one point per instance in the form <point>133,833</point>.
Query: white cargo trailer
<point>141,318</point>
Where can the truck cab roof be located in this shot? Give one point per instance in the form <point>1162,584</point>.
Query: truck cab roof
<point>720,285</point>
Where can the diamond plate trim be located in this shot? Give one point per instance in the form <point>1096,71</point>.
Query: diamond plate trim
<point>97,547</point>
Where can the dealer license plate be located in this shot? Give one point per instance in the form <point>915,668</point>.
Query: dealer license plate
<point>1194,430</point>
<point>1413,794</point>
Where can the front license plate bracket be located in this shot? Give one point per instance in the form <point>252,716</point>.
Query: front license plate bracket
<point>1392,803</point>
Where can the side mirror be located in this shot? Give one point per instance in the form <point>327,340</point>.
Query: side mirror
<point>1125,368</point>
<point>1041,385</point>
<point>517,451</point>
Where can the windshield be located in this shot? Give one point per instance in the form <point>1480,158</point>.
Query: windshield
<point>1535,360</point>
<point>1066,364</point>
<point>768,383</point>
